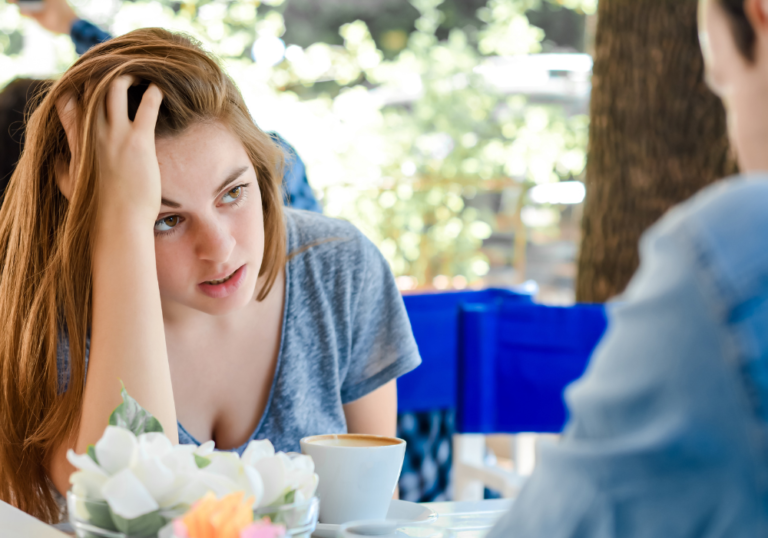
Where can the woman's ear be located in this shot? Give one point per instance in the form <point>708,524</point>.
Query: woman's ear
<point>66,107</point>
<point>757,13</point>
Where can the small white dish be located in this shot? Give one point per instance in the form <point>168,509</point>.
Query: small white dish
<point>400,513</point>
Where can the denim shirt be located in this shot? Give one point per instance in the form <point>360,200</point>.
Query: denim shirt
<point>667,429</point>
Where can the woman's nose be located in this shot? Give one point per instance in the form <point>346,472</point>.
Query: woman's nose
<point>214,242</point>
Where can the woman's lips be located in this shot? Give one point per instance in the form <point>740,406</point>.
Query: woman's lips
<point>226,288</point>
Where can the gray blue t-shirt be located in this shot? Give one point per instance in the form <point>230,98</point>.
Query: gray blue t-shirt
<point>345,331</point>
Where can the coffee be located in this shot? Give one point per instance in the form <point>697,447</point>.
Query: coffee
<point>353,441</point>
<point>358,474</point>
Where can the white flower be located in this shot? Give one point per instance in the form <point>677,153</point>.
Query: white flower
<point>155,476</point>
<point>139,475</point>
<point>205,449</point>
<point>154,444</point>
<point>84,462</point>
<point>87,484</point>
<point>116,449</point>
<point>257,450</point>
<point>301,476</point>
<point>127,496</point>
<point>279,473</point>
<point>274,474</point>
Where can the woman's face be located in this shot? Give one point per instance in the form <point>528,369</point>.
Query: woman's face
<point>209,236</point>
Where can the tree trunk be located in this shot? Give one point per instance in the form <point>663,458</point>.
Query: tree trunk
<point>657,134</point>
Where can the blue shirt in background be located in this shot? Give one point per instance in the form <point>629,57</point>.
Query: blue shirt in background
<point>298,193</point>
<point>668,428</point>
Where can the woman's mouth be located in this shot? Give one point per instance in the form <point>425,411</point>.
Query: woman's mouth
<point>224,287</point>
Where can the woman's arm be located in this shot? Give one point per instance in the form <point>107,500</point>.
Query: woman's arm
<point>375,413</point>
<point>127,334</point>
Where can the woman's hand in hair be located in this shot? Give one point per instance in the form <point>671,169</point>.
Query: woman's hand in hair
<point>129,175</point>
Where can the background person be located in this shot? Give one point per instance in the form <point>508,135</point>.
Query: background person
<point>14,101</point>
<point>667,430</point>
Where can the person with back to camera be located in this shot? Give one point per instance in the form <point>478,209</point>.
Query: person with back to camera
<point>143,239</point>
<point>668,429</point>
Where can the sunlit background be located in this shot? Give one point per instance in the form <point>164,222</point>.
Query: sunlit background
<point>453,133</point>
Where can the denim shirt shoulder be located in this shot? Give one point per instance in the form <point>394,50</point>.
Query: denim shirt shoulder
<point>667,433</point>
<point>727,225</point>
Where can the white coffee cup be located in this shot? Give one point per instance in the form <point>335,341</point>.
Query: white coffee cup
<point>358,474</point>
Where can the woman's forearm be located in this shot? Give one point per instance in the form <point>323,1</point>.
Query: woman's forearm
<point>127,335</point>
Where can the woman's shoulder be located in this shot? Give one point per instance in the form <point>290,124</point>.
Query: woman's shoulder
<point>320,236</point>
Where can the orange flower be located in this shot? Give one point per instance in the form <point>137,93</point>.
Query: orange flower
<point>219,518</point>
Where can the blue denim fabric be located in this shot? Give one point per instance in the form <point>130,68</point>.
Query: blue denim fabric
<point>667,429</point>
<point>86,35</point>
<point>298,193</point>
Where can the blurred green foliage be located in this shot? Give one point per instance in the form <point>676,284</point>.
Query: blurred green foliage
<point>400,143</point>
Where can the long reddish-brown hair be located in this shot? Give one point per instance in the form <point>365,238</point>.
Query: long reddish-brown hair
<point>45,240</point>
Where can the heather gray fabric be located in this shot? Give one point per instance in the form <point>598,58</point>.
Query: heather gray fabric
<point>345,331</point>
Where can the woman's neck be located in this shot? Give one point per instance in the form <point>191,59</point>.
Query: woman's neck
<point>748,126</point>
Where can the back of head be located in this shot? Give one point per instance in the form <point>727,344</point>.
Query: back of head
<point>45,256</point>
<point>17,100</point>
<point>743,33</point>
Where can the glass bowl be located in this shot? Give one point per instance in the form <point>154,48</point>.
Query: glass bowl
<point>299,519</point>
<point>94,519</point>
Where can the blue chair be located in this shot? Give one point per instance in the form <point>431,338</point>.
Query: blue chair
<point>500,362</point>
<point>517,358</point>
<point>435,320</point>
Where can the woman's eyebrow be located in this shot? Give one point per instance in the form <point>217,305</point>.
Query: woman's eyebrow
<point>230,178</point>
<point>169,203</point>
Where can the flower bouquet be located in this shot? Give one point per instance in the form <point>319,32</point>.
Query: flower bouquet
<point>134,482</point>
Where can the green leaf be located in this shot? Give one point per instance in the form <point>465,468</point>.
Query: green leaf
<point>92,453</point>
<point>202,462</point>
<point>131,416</point>
<point>288,497</point>
<point>100,515</point>
<point>143,526</point>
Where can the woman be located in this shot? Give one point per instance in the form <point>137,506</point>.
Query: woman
<point>143,239</point>
<point>668,428</point>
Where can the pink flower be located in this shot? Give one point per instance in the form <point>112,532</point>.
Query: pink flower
<point>179,529</point>
<point>263,529</point>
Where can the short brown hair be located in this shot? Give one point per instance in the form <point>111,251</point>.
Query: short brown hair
<point>743,33</point>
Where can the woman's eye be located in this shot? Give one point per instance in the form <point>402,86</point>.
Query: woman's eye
<point>167,223</point>
<point>232,195</point>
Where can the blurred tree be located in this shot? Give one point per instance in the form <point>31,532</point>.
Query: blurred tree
<point>657,134</point>
<point>391,21</point>
<point>399,144</point>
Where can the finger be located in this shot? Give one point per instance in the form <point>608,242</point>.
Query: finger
<point>101,118</point>
<point>117,100</point>
<point>146,115</point>
<point>66,108</point>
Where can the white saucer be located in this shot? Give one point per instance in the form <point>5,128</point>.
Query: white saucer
<point>400,513</point>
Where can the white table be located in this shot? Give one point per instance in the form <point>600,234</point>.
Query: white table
<point>469,519</point>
